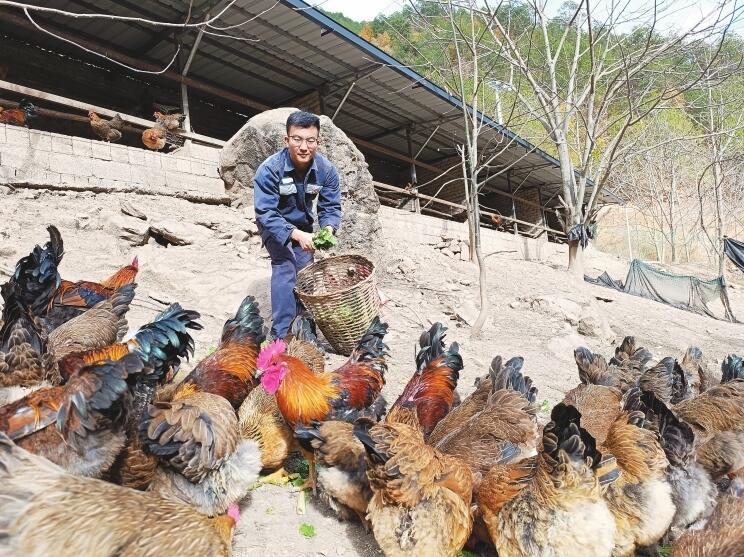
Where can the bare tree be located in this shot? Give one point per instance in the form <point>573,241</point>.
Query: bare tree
<point>591,79</point>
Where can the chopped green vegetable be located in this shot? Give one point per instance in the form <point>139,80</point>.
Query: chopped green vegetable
<point>465,553</point>
<point>302,503</point>
<point>545,407</point>
<point>307,530</point>
<point>664,550</point>
<point>324,239</point>
<point>211,349</point>
<point>269,510</point>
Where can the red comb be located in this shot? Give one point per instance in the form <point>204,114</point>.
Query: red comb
<point>135,262</point>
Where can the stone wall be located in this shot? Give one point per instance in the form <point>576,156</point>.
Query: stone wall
<point>32,156</point>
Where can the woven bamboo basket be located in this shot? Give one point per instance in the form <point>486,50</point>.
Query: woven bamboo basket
<point>340,292</point>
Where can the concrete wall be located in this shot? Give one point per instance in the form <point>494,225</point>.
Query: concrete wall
<point>49,158</point>
<point>423,229</point>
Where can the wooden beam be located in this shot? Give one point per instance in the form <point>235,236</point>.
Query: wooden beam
<point>409,193</point>
<point>393,154</point>
<point>71,103</point>
<point>138,63</point>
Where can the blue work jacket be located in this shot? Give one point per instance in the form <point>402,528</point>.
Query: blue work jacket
<point>283,202</point>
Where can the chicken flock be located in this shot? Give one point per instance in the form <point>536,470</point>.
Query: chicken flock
<point>103,453</point>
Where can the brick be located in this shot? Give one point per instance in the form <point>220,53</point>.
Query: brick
<point>37,176</point>
<point>111,170</point>
<point>2,133</point>
<point>179,180</point>
<point>23,157</point>
<point>82,147</point>
<point>71,164</point>
<point>73,179</point>
<point>100,150</point>
<point>61,144</point>
<point>212,171</point>
<point>40,140</point>
<point>119,153</point>
<point>152,160</point>
<point>16,135</point>
<point>210,154</point>
<point>169,164</point>
<point>183,165</point>
<point>210,185</point>
<point>136,156</point>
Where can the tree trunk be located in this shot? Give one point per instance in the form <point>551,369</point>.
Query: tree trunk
<point>482,289</point>
<point>576,260</point>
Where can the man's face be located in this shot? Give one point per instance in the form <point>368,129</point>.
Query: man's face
<point>301,143</point>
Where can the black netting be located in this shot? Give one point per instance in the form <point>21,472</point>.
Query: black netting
<point>734,249</point>
<point>706,297</point>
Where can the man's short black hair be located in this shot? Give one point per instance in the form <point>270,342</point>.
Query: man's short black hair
<point>301,119</point>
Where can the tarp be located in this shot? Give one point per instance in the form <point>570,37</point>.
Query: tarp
<point>734,249</point>
<point>705,297</point>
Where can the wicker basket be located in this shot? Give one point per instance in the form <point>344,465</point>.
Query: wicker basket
<point>340,293</point>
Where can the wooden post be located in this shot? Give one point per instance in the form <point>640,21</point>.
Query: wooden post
<point>627,233</point>
<point>514,207</point>
<point>414,179</point>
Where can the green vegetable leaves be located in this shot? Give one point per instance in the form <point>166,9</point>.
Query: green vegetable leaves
<point>307,530</point>
<point>324,239</point>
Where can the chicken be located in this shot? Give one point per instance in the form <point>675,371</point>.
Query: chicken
<point>229,370</point>
<point>305,398</point>
<point>24,357</point>
<point>154,138</point>
<point>693,491</point>
<point>74,298</point>
<point>47,511</point>
<point>102,325</point>
<point>169,121</point>
<point>259,416</point>
<point>78,425</point>
<point>472,404</point>
<point>723,534</point>
<point>18,116</point>
<point>599,406</point>
<point>560,511</point>
<point>692,367</point>
<point>202,460</point>
<point>108,130</point>
<point>427,397</point>
<point>421,497</point>
<point>504,430</point>
<point>430,392</point>
<point>641,498</point>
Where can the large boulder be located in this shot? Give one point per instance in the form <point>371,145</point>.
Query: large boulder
<point>264,134</point>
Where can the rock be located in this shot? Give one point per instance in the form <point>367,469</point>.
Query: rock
<point>464,252</point>
<point>466,311</point>
<point>255,240</point>
<point>128,209</point>
<point>263,135</point>
<point>240,236</point>
<point>554,306</point>
<point>448,252</point>
<point>455,249</point>
<point>466,282</point>
<point>251,228</point>
<point>129,229</point>
<point>82,221</point>
<point>441,245</point>
<point>177,233</point>
<point>592,323</point>
<point>563,346</point>
<point>515,304</point>
<point>5,190</point>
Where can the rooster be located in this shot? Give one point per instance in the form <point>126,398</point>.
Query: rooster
<point>47,511</point>
<point>426,398</point>
<point>18,116</point>
<point>74,298</point>
<point>304,397</point>
<point>193,429</point>
<point>169,121</point>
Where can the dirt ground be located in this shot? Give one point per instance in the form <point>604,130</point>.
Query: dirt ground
<point>215,273</point>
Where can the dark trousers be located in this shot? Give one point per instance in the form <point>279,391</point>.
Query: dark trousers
<point>286,261</point>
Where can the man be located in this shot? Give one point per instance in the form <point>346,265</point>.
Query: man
<point>286,187</point>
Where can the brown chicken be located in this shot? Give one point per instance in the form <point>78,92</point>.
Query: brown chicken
<point>305,398</point>
<point>641,498</point>
<point>81,424</point>
<point>202,460</point>
<point>18,116</point>
<point>558,512</point>
<point>154,138</point>
<point>723,534</point>
<point>78,425</point>
<point>169,121</point>
<point>259,416</point>
<point>421,497</point>
<point>47,511</point>
<point>74,298</point>
<point>427,397</point>
<point>102,325</point>
<point>504,430</point>
<point>108,130</point>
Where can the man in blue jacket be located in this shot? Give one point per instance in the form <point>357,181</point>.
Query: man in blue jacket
<point>287,185</point>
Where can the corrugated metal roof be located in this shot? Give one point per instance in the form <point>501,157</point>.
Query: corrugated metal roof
<point>294,49</point>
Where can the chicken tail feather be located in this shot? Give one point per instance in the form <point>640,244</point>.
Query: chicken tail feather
<point>246,323</point>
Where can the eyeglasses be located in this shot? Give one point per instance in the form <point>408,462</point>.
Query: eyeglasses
<point>297,140</point>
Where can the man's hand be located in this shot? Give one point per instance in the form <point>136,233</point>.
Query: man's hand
<point>305,239</point>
